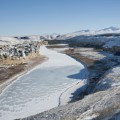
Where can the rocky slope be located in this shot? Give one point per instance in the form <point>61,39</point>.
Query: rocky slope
<point>19,53</point>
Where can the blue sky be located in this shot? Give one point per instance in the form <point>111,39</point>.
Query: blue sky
<point>28,17</point>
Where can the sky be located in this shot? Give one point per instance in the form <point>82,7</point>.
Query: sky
<point>35,17</point>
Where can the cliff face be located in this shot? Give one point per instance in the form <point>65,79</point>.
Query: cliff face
<point>19,53</point>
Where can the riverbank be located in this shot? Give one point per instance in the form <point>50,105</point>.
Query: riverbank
<point>8,74</point>
<point>96,61</point>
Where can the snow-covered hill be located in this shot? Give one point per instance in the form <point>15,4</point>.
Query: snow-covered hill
<point>90,32</point>
<point>109,30</point>
<point>8,40</point>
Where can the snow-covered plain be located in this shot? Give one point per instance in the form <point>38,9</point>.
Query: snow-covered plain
<point>40,89</point>
<point>8,40</point>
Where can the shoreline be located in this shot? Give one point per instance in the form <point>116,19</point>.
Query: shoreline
<point>32,64</point>
<point>78,88</point>
<point>66,96</point>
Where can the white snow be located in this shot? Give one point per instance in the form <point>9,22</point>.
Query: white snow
<point>57,59</point>
<point>8,40</point>
<point>60,49</point>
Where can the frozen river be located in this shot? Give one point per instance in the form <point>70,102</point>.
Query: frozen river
<point>40,89</point>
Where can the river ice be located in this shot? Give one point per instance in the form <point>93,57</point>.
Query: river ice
<point>39,89</point>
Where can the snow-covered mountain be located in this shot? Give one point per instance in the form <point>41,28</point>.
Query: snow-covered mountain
<point>109,30</point>
<point>40,37</point>
<point>90,32</point>
<point>49,36</point>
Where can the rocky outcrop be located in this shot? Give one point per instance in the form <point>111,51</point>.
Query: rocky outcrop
<point>19,53</point>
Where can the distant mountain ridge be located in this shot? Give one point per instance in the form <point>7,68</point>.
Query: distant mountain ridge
<point>90,32</point>
<point>15,40</point>
<point>105,30</point>
<point>110,30</point>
